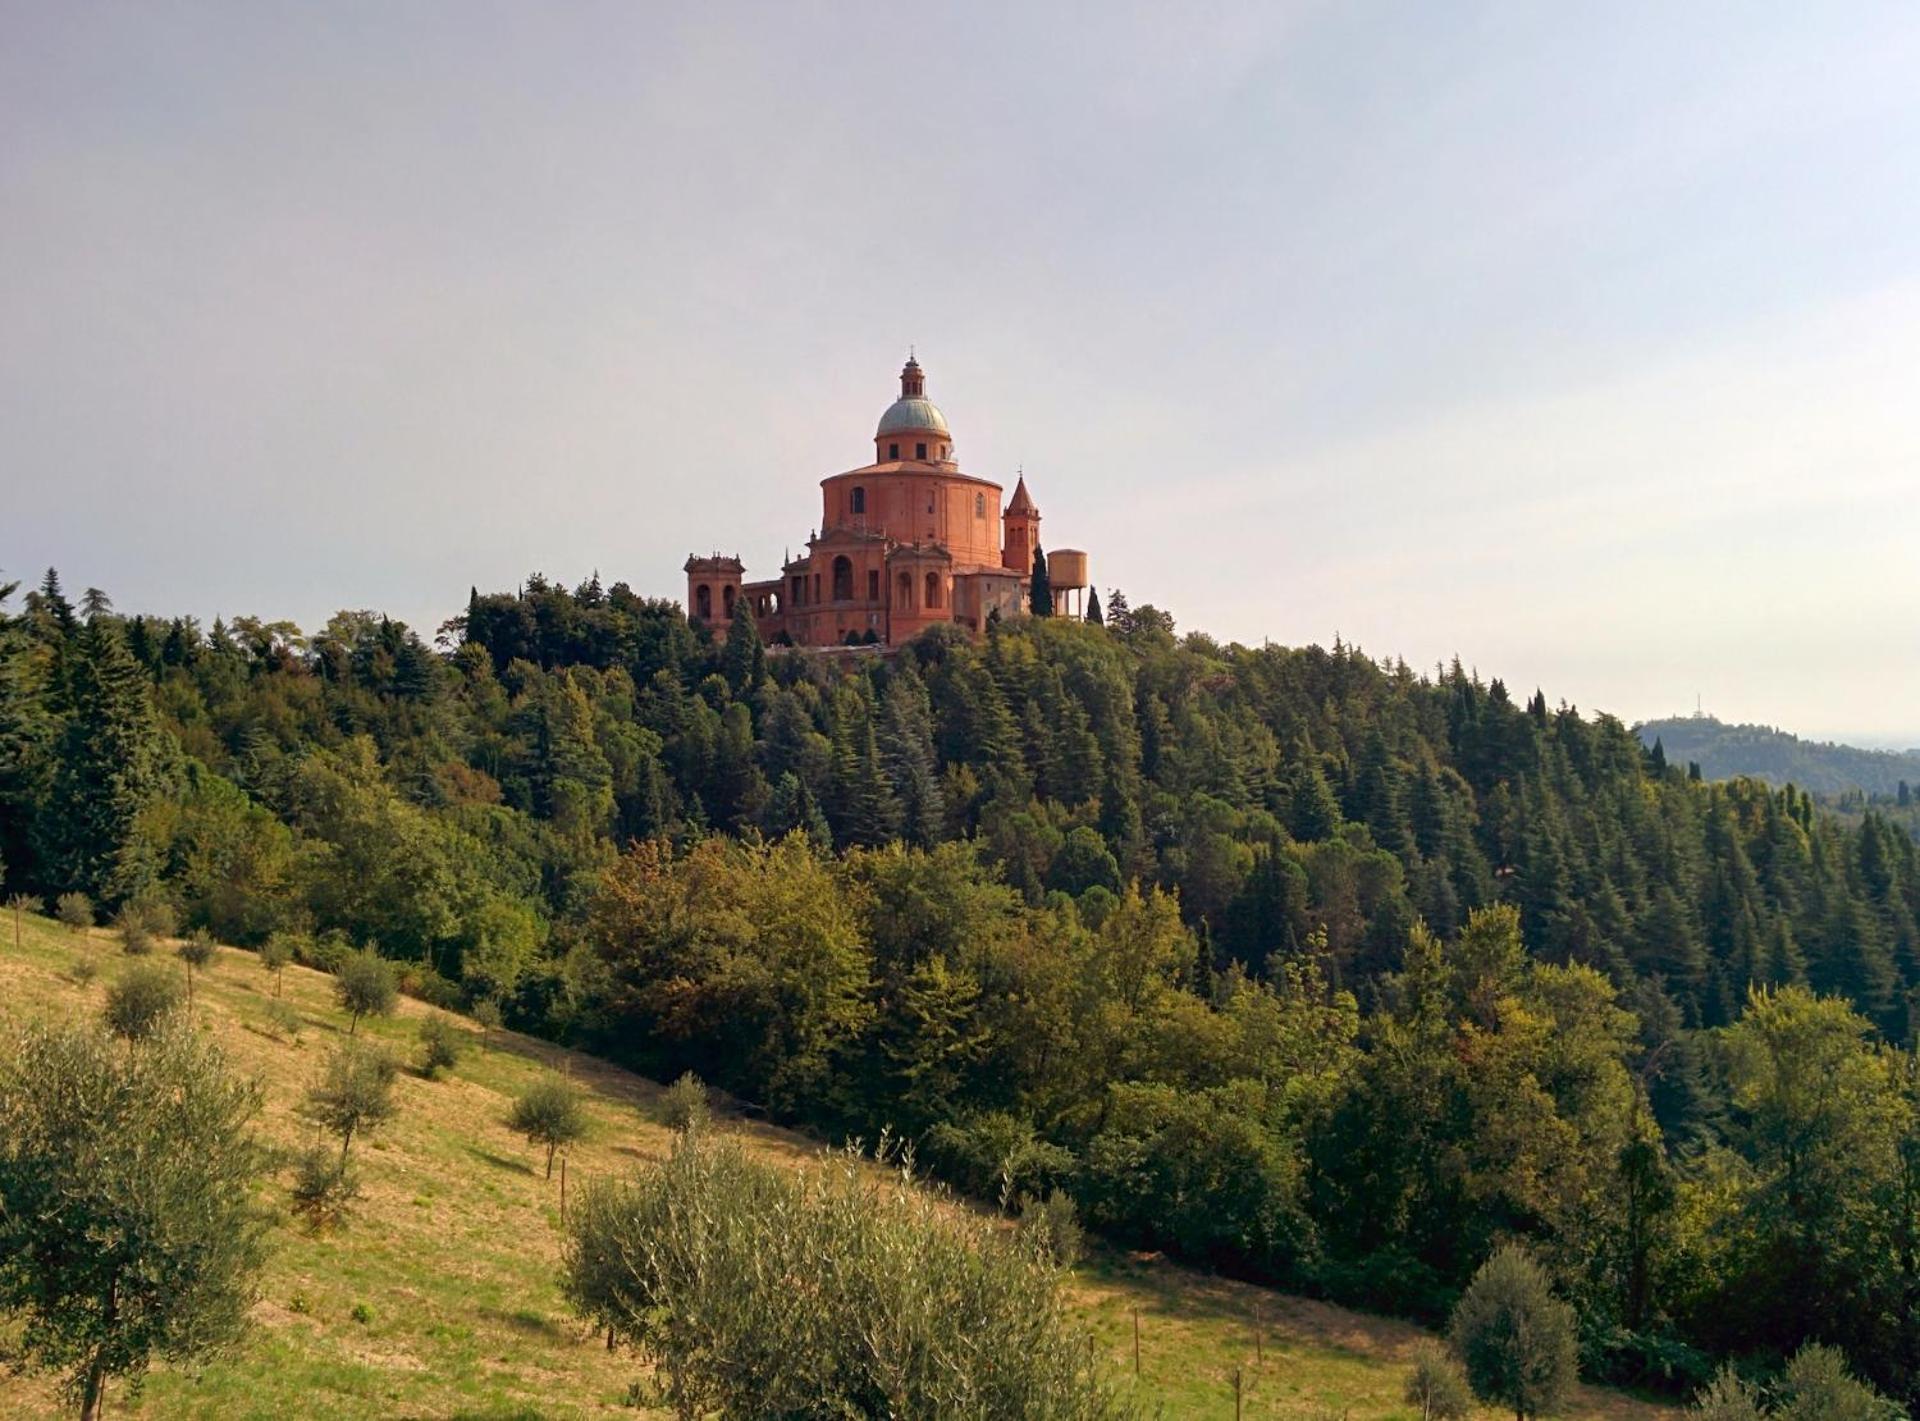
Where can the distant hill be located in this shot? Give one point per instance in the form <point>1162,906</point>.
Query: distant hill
<point>1723,751</point>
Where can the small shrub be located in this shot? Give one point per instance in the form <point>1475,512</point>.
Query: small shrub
<point>141,1001</point>
<point>1818,1386</point>
<point>300,1303</point>
<point>136,938</point>
<point>153,910</point>
<point>324,1185</point>
<point>361,1314</point>
<point>364,986</point>
<point>486,1016</point>
<point>75,910</point>
<point>284,1021</point>
<point>425,985</point>
<point>440,1045</point>
<point>549,1113</point>
<point>683,1105</point>
<point>83,971</point>
<point>1727,1398</point>
<point>1053,1226</point>
<point>1436,1387</point>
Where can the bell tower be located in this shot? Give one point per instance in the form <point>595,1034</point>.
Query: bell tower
<point>1021,525</point>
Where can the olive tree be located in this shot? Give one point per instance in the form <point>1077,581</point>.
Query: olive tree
<point>275,953</point>
<point>549,1112</point>
<point>354,1094</point>
<point>126,1231</point>
<point>196,950</point>
<point>75,911</point>
<point>1436,1386</point>
<point>771,1292</point>
<point>1516,1341</point>
<point>440,1045</point>
<point>20,904</point>
<point>364,986</point>
<point>1818,1386</point>
<point>140,1001</point>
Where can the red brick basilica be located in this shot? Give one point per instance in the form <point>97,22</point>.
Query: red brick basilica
<point>904,543</point>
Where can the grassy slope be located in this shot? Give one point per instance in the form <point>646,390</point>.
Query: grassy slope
<point>452,1254</point>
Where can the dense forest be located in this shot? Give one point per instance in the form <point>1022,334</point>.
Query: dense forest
<point>1760,752</point>
<point>1310,967</point>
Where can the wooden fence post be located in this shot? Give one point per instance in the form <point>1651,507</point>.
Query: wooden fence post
<point>1136,1342</point>
<point>1236,1394</point>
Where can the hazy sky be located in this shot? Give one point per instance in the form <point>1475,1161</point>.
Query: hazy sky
<point>1582,341</point>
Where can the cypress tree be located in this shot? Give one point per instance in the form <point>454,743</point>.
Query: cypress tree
<point>1093,608</point>
<point>1040,592</point>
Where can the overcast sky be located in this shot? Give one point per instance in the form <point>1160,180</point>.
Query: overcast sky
<point>1581,341</point>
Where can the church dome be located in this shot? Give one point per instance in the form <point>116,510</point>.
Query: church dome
<point>913,410</point>
<point>904,414</point>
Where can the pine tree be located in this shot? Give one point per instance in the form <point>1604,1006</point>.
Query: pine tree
<point>1040,591</point>
<point>905,743</point>
<point>1093,608</point>
<point>110,769</point>
<point>743,661</point>
<point>1314,812</point>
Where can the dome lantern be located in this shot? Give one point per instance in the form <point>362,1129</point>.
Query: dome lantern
<point>912,426</point>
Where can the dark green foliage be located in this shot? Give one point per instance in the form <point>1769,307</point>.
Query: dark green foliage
<point>441,1043</point>
<point>141,1000</point>
<point>364,986</point>
<point>1515,1340</point>
<point>126,1230</point>
<point>1040,588</point>
<point>111,764</point>
<point>759,1291</point>
<point>1198,932</point>
<point>550,1112</point>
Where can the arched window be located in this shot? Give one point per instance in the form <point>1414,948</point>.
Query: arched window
<point>933,591</point>
<point>842,579</point>
<point>726,601</point>
<point>903,593</point>
<point>859,500</point>
<point>979,505</point>
<point>893,451</point>
<point>703,602</point>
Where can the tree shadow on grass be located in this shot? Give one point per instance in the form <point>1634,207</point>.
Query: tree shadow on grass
<point>486,1156</point>
<point>527,1321</point>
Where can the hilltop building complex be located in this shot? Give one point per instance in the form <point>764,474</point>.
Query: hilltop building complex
<point>904,543</point>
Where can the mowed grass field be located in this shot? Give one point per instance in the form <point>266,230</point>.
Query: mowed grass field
<point>439,1297</point>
